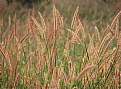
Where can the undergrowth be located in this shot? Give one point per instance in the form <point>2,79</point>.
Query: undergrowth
<point>44,54</point>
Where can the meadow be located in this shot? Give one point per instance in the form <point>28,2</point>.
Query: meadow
<point>58,50</point>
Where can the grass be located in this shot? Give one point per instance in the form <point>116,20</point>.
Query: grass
<point>53,54</point>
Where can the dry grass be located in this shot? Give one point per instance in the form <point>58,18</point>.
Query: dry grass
<point>47,54</point>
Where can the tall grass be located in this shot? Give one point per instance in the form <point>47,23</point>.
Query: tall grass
<point>46,54</point>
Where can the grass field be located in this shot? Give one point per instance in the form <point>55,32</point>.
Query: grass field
<point>66,48</point>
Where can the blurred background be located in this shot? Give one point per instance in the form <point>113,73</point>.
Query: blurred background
<point>92,12</point>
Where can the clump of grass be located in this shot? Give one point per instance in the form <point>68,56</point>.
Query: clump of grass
<point>50,55</point>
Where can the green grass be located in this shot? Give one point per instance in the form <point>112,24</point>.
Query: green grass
<point>56,53</point>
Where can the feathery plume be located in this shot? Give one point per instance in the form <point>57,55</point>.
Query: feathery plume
<point>74,19</point>
<point>85,70</point>
<point>97,33</point>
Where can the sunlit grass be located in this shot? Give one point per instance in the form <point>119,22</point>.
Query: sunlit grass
<point>57,55</point>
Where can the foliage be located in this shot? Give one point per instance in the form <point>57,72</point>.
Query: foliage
<point>58,55</point>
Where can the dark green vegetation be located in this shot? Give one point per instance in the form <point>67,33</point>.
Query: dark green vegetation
<point>28,3</point>
<point>72,48</point>
<point>24,1</point>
